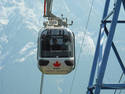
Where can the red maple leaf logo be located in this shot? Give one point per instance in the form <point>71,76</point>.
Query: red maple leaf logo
<point>56,64</point>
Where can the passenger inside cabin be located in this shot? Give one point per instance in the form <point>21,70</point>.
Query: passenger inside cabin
<point>45,43</point>
<point>55,46</point>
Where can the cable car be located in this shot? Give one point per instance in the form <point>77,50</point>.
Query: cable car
<point>56,50</point>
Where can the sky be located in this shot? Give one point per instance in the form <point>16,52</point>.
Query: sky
<point>20,22</point>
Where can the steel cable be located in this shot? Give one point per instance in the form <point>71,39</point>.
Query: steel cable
<point>41,85</point>
<point>86,27</point>
<point>119,82</point>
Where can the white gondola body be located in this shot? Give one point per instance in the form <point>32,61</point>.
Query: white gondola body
<point>56,64</point>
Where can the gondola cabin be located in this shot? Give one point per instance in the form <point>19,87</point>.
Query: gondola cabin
<point>56,50</point>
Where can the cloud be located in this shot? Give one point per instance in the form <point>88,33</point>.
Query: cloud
<point>4,38</point>
<point>26,47</point>
<point>0,50</point>
<point>59,82</point>
<point>1,67</point>
<point>4,21</point>
<point>21,59</point>
<point>24,57</point>
<point>123,49</point>
<point>3,17</point>
<point>3,56</point>
<point>60,89</point>
<point>88,47</point>
<point>66,6</point>
<point>29,14</point>
<point>27,51</point>
<point>30,17</point>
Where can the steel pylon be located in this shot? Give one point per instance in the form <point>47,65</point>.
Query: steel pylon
<point>101,57</point>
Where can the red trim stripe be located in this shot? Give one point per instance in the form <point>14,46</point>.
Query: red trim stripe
<point>44,7</point>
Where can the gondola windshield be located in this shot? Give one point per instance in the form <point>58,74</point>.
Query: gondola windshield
<point>56,43</point>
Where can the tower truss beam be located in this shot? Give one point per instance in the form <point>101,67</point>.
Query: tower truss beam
<point>101,57</point>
